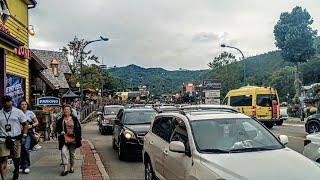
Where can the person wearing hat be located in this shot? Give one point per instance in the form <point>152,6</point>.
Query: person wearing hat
<point>12,123</point>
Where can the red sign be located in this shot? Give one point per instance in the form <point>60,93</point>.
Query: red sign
<point>24,52</point>
<point>4,29</point>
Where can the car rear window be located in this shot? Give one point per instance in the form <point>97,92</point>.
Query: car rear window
<point>265,100</point>
<point>245,100</point>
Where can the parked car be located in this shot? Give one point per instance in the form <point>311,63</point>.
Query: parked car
<point>131,125</point>
<point>313,124</point>
<point>283,115</point>
<point>219,145</point>
<point>312,147</point>
<point>109,115</point>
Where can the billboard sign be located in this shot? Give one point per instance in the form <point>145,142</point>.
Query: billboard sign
<point>16,88</point>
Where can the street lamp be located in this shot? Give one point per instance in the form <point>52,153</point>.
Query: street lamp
<point>244,65</point>
<point>81,64</point>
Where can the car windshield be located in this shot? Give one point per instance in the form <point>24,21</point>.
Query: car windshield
<point>111,110</point>
<point>232,135</point>
<point>139,117</point>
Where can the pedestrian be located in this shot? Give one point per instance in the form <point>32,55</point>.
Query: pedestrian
<point>12,122</point>
<point>30,139</point>
<point>69,138</point>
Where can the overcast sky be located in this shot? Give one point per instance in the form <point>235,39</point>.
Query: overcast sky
<point>163,33</point>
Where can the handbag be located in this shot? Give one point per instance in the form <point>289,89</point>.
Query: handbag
<point>68,139</point>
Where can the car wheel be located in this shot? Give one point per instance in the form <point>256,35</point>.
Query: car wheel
<point>279,123</point>
<point>148,171</point>
<point>114,146</point>
<point>313,127</point>
<point>121,153</point>
<point>269,125</point>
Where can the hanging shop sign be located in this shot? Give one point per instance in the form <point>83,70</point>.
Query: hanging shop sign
<point>16,88</point>
<point>23,52</point>
<point>52,101</point>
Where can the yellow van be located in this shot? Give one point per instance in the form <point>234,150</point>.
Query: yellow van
<point>261,103</point>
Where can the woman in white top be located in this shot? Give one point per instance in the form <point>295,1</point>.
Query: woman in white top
<point>33,122</point>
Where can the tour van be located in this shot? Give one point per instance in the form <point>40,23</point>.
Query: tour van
<point>261,103</point>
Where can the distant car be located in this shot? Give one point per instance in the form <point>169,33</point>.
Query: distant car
<point>215,144</point>
<point>313,124</point>
<point>283,115</point>
<point>130,127</point>
<point>312,147</point>
<point>109,115</point>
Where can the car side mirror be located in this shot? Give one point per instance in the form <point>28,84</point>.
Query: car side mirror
<point>177,146</point>
<point>284,139</point>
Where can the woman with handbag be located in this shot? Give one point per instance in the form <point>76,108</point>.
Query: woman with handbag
<point>69,129</point>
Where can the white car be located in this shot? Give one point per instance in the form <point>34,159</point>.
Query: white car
<point>312,147</point>
<point>219,145</point>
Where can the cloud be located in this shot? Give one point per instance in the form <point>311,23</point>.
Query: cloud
<point>162,33</point>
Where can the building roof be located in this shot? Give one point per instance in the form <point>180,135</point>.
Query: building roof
<point>47,57</point>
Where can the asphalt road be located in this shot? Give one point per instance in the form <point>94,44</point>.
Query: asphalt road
<point>134,169</point>
<point>116,169</point>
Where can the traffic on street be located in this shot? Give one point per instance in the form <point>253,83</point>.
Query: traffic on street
<point>161,89</point>
<point>291,133</point>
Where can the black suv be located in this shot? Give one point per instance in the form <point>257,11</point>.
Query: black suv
<point>131,125</point>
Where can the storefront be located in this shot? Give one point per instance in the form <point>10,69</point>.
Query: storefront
<point>14,49</point>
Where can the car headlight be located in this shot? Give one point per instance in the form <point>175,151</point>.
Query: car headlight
<point>129,134</point>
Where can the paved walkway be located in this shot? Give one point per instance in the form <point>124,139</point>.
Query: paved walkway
<point>46,164</point>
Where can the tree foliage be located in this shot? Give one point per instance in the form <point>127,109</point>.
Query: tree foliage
<point>282,80</point>
<point>227,70</point>
<point>75,50</point>
<point>294,35</point>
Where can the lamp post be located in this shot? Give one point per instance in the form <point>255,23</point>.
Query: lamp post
<point>81,64</point>
<point>244,65</point>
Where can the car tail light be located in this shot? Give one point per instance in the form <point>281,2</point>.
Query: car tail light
<point>306,142</point>
<point>254,111</point>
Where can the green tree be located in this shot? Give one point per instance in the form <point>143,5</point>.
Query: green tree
<point>295,37</point>
<point>282,81</point>
<point>74,50</point>
<point>227,70</point>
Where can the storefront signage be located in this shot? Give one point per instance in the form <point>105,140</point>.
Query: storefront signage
<point>212,93</point>
<point>24,52</point>
<point>16,88</point>
<point>53,101</point>
<point>211,84</point>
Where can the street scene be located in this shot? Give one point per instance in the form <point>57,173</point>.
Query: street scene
<point>119,90</point>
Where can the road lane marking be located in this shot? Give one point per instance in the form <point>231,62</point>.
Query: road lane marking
<point>294,125</point>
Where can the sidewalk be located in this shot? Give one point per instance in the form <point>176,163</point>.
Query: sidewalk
<point>45,164</point>
<point>293,120</point>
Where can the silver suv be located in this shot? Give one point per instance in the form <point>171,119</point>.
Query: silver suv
<point>219,144</point>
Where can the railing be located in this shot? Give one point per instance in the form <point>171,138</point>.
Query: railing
<point>87,110</point>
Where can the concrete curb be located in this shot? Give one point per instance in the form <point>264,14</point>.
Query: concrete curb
<point>99,163</point>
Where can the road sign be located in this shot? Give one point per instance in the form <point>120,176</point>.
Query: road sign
<point>53,101</point>
<point>212,101</point>
<point>212,93</point>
